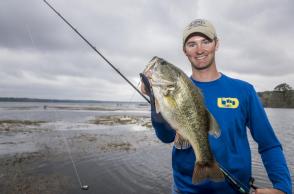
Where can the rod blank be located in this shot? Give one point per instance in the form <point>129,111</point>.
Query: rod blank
<point>94,48</point>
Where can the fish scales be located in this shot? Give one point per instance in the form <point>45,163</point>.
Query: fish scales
<point>182,105</point>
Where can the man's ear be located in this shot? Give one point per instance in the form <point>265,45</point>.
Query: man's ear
<point>184,50</point>
<point>216,44</point>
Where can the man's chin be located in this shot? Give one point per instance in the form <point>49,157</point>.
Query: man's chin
<point>201,67</point>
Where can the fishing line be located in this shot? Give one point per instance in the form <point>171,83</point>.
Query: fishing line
<point>68,149</point>
<point>70,156</point>
<point>133,94</point>
<point>33,44</point>
<point>83,187</point>
<point>109,63</point>
<point>30,35</point>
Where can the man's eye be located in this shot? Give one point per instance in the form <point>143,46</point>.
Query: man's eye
<point>192,45</point>
<point>206,41</point>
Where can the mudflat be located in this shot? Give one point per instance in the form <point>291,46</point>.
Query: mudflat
<point>110,154</point>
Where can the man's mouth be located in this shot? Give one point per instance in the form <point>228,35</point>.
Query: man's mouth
<point>201,57</point>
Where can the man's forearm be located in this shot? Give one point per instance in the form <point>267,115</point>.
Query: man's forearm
<point>163,130</point>
<point>277,170</point>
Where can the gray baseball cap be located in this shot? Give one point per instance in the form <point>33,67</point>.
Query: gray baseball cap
<point>199,26</point>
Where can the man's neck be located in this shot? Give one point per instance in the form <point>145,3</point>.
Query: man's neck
<point>206,75</point>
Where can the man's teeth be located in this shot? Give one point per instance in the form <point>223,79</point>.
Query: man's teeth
<point>200,57</point>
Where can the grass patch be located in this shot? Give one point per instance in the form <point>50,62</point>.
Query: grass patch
<point>20,125</point>
<point>120,146</point>
<point>21,122</point>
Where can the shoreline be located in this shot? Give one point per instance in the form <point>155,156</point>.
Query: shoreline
<point>41,161</point>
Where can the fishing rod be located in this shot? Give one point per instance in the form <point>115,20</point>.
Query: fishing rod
<point>235,183</point>
<point>94,48</point>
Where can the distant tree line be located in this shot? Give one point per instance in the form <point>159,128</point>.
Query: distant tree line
<point>12,99</point>
<point>281,97</point>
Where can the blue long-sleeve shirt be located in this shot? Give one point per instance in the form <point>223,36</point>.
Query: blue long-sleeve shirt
<point>236,107</point>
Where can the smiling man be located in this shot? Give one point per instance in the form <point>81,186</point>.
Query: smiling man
<point>236,107</point>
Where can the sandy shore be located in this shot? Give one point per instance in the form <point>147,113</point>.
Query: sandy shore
<point>112,154</point>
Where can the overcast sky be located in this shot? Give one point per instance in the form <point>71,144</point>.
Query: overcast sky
<point>41,57</point>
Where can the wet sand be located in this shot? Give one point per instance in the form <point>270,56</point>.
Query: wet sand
<point>112,154</point>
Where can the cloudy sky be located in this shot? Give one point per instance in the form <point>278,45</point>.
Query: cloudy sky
<point>41,57</point>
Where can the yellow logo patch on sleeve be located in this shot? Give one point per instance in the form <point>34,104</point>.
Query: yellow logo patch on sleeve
<point>227,102</point>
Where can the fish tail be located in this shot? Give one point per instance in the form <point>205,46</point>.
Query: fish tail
<point>204,171</point>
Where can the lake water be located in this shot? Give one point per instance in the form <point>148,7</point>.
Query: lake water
<point>282,122</point>
<point>147,168</point>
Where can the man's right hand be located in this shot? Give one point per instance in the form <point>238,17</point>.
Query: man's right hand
<point>147,90</point>
<point>143,88</point>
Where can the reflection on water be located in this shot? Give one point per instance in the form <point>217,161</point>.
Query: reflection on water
<point>144,166</point>
<point>282,122</point>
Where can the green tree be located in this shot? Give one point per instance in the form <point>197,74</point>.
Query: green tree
<point>282,87</point>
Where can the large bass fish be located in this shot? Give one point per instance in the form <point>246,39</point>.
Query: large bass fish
<point>181,104</point>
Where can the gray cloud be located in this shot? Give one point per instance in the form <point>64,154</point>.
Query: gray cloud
<point>40,56</point>
<point>255,39</point>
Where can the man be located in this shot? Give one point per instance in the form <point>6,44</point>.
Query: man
<point>235,106</point>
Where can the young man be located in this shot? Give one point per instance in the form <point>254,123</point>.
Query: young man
<point>235,106</point>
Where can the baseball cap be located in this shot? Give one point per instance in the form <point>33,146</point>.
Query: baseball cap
<point>199,26</point>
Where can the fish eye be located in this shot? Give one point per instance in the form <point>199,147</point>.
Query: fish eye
<point>163,63</point>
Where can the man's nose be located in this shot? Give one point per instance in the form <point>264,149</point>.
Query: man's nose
<point>200,49</point>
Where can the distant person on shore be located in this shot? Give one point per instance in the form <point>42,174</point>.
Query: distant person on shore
<point>236,106</point>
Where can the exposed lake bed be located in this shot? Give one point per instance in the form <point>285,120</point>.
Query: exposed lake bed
<point>35,156</point>
<point>114,150</point>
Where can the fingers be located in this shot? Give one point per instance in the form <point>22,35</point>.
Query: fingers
<point>143,88</point>
<point>267,191</point>
<point>145,85</point>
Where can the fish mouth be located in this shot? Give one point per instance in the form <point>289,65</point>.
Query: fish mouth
<point>151,63</point>
<point>149,70</point>
<point>154,76</point>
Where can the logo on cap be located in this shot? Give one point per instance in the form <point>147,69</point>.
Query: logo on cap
<point>196,23</point>
<point>199,26</point>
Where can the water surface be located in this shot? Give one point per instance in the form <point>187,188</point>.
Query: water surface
<point>110,159</point>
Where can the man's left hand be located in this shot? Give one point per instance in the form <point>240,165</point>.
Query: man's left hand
<point>267,191</point>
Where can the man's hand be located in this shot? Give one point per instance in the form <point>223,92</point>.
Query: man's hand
<point>147,90</point>
<point>143,88</point>
<point>267,191</point>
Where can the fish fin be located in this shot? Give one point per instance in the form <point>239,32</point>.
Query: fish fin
<point>162,83</point>
<point>203,171</point>
<point>214,129</point>
<point>180,142</point>
<point>168,89</point>
<point>166,86</point>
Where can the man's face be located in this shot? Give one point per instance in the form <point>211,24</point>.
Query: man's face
<point>200,51</point>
